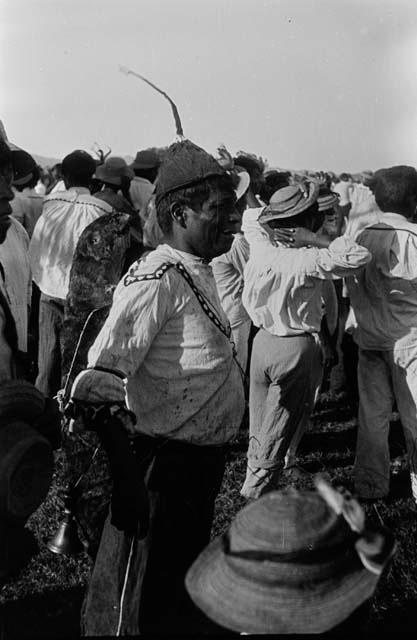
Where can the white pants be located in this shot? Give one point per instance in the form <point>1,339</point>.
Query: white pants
<point>382,377</point>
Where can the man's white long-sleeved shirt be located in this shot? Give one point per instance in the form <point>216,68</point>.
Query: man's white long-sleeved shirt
<point>283,286</point>
<point>182,381</point>
<point>228,273</point>
<point>64,217</point>
<point>384,295</point>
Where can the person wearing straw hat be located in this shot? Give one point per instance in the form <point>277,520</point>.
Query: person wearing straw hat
<point>283,294</point>
<point>165,351</point>
<point>293,562</point>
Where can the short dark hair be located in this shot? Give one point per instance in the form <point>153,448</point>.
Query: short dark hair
<point>345,176</point>
<point>393,187</point>
<point>193,197</point>
<point>273,181</point>
<point>78,168</point>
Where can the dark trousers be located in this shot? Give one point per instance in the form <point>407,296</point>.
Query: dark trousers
<point>137,586</point>
<point>51,317</point>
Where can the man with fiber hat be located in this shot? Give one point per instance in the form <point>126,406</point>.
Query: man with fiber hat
<point>145,167</point>
<point>165,353</point>
<point>283,294</point>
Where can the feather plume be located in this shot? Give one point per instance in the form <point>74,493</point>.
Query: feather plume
<point>178,124</point>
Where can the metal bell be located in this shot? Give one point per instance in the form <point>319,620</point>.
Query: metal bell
<point>66,540</point>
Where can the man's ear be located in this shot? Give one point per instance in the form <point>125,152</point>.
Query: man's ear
<point>178,214</point>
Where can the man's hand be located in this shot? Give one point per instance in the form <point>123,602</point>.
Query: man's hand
<point>299,237</point>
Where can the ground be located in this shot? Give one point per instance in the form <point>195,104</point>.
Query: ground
<point>45,598</point>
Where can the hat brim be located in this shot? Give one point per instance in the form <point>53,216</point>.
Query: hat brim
<point>243,185</point>
<point>238,602</point>
<point>111,178</point>
<point>272,212</point>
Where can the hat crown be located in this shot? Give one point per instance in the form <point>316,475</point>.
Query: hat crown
<point>146,159</point>
<point>185,164</point>
<point>286,522</point>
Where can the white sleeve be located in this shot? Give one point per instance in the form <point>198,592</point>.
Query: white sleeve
<point>342,258</point>
<point>137,315</point>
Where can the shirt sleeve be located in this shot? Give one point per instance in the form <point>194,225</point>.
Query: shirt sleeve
<point>253,231</point>
<point>138,313</point>
<point>342,258</point>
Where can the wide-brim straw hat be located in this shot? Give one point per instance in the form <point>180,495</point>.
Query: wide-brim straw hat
<point>113,170</point>
<point>328,200</point>
<point>287,565</point>
<point>242,185</point>
<point>288,202</point>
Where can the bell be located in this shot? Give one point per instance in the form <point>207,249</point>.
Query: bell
<point>66,540</point>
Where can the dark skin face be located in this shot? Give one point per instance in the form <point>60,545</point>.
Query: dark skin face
<point>6,193</point>
<point>207,232</point>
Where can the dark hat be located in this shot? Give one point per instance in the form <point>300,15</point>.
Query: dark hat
<point>147,159</point>
<point>185,164</point>
<point>77,162</point>
<point>288,564</point>
<point>23,167</point>
<point>290,201</point>
<point>113,170</point>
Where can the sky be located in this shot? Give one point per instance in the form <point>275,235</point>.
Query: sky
<point>319,84</point>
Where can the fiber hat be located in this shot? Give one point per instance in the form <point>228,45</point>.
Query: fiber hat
<point>290,201</point>
<point>184,165</point>
<point>146,159</point>
<point>113,170</point>
<point>288,564</point>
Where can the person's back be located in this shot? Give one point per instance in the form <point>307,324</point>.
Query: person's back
<point>64,217</point>
<point>384,295</point>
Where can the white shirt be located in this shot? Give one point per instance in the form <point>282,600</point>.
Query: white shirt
<point>182,380</point>
<point>6,355</point>
<point>140,192</point>
<point>26,208</point>
<point>344,189</point>
<point>64,217</point>
<point>283,290</point>
<point>384,295</point>
<point>14,259</point>
<point>364,211</point>
<point>228,274</point>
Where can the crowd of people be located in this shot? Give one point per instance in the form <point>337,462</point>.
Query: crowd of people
<point>155,301</point>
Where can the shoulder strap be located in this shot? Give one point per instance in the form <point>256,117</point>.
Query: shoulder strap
<point>133,275</point>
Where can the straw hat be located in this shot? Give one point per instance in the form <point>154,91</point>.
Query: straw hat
<point>290,201</point>
<point>327,200</point>
<point>288,564</point>
<point>242,184</point>
<point>113,170</point>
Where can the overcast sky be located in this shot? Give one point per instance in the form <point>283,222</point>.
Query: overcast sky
<point>304,83</point>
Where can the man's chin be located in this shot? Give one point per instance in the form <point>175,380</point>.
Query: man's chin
<point>223,245</point>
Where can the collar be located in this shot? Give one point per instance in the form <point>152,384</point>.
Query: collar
<point>80,190</point>
<point>183,256</point>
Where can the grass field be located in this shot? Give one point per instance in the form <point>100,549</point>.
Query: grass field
<point>45,598</point>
